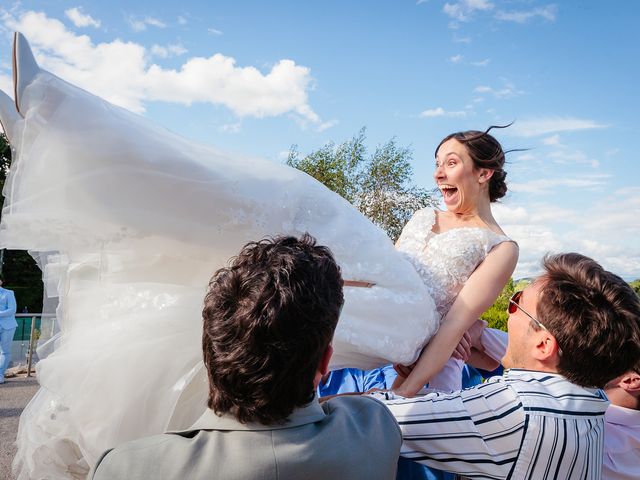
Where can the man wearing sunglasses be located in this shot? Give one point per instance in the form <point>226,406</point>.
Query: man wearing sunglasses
<point>571,331</point>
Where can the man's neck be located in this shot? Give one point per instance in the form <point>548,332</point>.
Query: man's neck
<point>617,396</point>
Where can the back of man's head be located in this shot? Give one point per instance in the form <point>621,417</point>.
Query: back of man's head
<point>594,316</point>
<point>268,320</point>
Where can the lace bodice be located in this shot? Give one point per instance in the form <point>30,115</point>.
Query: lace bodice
<point>445,260</point>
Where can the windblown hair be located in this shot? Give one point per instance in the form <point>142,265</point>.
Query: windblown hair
<point>594,316</point>
<point>486,152</point>
<point>268,319</point>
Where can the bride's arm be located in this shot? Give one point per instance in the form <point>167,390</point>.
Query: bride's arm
<point>478,293</point>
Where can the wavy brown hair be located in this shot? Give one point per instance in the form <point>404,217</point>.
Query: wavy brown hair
<point>594,316</point>
<point>268,318</point>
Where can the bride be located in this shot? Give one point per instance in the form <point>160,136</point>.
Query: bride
<point>128,221</point>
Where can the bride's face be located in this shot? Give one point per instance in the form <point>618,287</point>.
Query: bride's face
<point>459,181</point>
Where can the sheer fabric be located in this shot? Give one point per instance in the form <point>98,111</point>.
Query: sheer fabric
<point>128,222</point>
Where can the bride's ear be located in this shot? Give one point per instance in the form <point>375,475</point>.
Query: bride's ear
<point>25,67</point>
<point>484,175</point>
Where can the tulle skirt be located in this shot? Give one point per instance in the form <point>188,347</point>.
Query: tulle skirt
<point>128,222</point>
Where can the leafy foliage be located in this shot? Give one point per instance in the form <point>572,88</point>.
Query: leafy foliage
<point>379,185</point>
<point>636,286</point>
<point>21,274</point>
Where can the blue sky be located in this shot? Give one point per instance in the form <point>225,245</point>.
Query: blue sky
<point>256,77</point>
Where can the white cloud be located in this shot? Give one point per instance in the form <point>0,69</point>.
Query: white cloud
<point>541,186</point>
<point>327,125</point>
<point>168,51</point>
<point>552,140</point>
<point>534,127</point>
<point>80,19</point>
<point>182,20</point>
<point>481,63</point>
<point>548,13</point>
<point>140,24</point>
<point>608,235</point>
<point>230,128</point>
<point>120,72</point>
<point>441,112</point>
<point>508,91</point>
<point>215,31</point>
<point>463,11</point>
<point>456,58</point>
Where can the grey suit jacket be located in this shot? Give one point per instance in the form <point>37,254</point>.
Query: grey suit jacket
<point>348,437</point>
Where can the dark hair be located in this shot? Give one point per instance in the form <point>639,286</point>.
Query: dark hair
<point>594,316</point>
<point>268,318</point>
<point>486,152</point>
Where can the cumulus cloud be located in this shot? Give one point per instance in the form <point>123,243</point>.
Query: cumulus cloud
<point>441,112</point>
<point>81,19</point>
<point>534,127</point>
<point>456,58</point>
<point>122,73</point>
<point>548,13</point>
<point>609,236</point>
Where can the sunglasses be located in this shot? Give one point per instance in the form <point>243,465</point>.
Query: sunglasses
<point>514,305</point>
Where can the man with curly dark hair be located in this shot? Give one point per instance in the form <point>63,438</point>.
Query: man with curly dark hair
<point>268,322</point>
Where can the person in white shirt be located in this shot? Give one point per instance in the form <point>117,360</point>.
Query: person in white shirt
<point>622,427</point>
<point>570,332</point>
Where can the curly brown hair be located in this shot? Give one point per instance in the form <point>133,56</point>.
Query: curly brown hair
<point>268,319</point>
<point>594,316</point>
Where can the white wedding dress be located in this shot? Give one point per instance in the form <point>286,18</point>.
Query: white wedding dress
<point>128,221</point>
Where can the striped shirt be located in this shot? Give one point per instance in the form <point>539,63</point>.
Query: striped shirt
<point>523,425</point>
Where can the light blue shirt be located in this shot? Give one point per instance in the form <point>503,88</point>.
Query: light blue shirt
<point>7,309</point>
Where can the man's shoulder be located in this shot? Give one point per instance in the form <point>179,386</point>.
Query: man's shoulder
<point>360,407</point>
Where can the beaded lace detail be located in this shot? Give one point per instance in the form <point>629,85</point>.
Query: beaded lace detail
<point>445,260</point>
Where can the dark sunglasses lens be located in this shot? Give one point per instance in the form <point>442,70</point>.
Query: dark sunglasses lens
<point>515,300</point>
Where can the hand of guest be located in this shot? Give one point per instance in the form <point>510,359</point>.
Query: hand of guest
<point>475,333</point>
<point>404,370</point>
<point>463,350</point>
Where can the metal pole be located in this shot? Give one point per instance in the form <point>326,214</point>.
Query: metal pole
<point>33,327</point>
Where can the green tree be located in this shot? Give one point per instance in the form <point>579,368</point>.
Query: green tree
<point>20,271</point>
<point>379,185</point>
<point>636,286</point>
<point>496,316</point>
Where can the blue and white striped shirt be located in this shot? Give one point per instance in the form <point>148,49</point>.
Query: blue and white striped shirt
<point>523,425</point>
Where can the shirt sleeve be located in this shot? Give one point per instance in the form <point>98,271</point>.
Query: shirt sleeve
<point>494,343</point>
<point>475,432</point>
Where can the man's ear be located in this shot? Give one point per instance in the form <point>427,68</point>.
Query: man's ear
<point>485,175</point>
<point>324,361</point>
<point>630,382</point>
<point>546,347</point>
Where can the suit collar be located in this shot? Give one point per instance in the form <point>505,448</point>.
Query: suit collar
<point>209,420</point>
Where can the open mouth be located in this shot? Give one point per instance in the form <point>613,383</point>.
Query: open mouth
<point>448,192</point>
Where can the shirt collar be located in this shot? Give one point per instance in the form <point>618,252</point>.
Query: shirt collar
<point>522,374</point>
<point>310,413</point>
